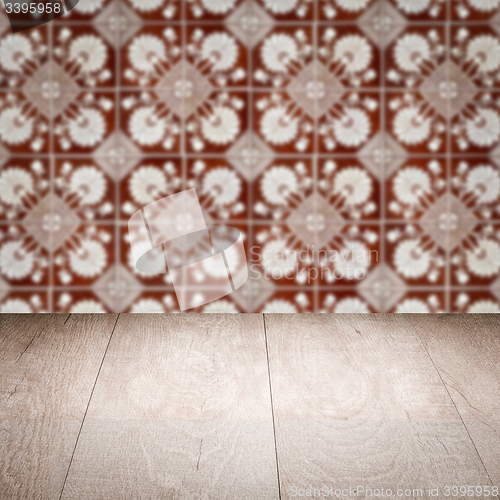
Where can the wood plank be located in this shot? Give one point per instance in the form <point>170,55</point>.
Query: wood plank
<point>181,410</point>
<point>17,331</point>
<point>358,402</point>
<point>466,351</point>
<point>44,395</point>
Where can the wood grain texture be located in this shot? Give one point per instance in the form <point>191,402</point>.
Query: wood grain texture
<point>466,351</point>
<point>17,331</point>
<point>357,401</point>
<point>181,410</point>
<point>45,387</point>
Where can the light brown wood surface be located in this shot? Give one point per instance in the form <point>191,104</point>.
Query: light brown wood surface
<point>466,352</point>
<point>44,393</point>
<point>246,406</point>
<point>357,401</point>
<point>181,410</point>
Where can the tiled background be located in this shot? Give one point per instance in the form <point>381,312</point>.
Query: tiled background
<point>365,125</point>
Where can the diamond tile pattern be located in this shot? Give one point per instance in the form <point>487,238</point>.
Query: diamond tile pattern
<point>355,144</point>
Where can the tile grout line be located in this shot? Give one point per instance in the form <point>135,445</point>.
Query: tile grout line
<point>456,409</point>
<point>88,405</point>
<point>117,180</point>
<point>447,278</point>
<point>272,407</point>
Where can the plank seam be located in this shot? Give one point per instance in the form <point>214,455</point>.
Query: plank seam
<point>88,405</point>
<point>456,409</point>
<point>272,408</point>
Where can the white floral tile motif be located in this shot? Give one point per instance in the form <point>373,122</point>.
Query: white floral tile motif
<point>154,302</point>
<point>476,127</point>
<point>476,182</point>
<point>84,256</point>
<point>417,57</point>
<point>474,10</point>
<point>465,301</point>
<point>24,302</point>
<point>222,191</point>
<point>23,183</point>
<point>23,127</point>
<point>350,190</point>
<point>86,57</point>
<point>21,55</point>
<point>476,260</point>
<point>134,278</point>
<point>150,180</point>
<point>217,124</point>
<point>416,257</point>
<point>79,301</point>
<point>421,10</point>
<point>85,189</point>
<point>345,10</point>
<point>85,122</point>
<point>350,56</point>
<point>349,124</point>
<point>282,124</point>
<point>288,302</point>
<point>283,56</point>
<point>154,10</point>
<point>282,188</point>
<point>288,10</point>
<point>150,56</point>
<point>149,123</point>
<point>475,51</point>
<point>418,190</point>
<point>421,302</point>
<point>415,123</point>
<point>345,302</point>
<point>23,260</point>
<point>215,10</point>
<point>218,55</point>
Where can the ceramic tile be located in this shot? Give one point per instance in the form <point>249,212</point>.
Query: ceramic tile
<point>152,58</point>
<point>417,58</point>
<point>417,121</point>
<point>24,122</point>
<point>85,254</point>
<point>25,185</point>
<point>475,259</point>
<point>82,56</point>
<point>417,253</point>
<point>284,191</point>
<point>361,127</point>
<point>25,255</point>
<point>82,121</point>
<point>285,57</point>
<point>417,189</point>
<point>150,122</point>
<point>149,180</point>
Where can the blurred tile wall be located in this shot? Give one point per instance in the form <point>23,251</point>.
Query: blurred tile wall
<point>318,128</point>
